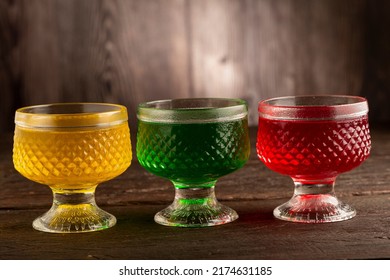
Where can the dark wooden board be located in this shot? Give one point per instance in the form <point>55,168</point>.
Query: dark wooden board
<point>255,235</point>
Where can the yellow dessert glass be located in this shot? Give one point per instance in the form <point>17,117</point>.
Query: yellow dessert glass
<point>72,147</point>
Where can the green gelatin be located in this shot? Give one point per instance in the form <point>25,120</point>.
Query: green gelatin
<point>193,154</point>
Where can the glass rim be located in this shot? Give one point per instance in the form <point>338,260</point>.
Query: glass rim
<point>192,110</point>
<point>71,115</point>
<point>313,107</point>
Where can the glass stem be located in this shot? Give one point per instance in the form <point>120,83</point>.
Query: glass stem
<point>195,196</point>
<point>314,188</point>
<point>73,197</point>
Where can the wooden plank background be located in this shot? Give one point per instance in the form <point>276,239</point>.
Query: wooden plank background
<point>132,51</point>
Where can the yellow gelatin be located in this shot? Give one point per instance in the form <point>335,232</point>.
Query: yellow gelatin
<point>72,158</point>
<point>72,147</point>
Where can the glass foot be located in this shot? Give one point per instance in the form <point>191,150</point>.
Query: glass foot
<point>195,207</point>
<point>74,213</point>
<point>314,204</point>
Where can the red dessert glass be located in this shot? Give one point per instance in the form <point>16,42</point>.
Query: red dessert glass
<point>312,139</point>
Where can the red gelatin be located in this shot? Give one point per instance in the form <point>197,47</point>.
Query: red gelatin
<point>313,150</point>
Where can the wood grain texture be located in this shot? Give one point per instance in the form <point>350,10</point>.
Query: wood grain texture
<point>10,69</point>
<point>377,58</point>
<point>252,191</point>
<point>103,51</point>
<point>261,49</point>
<point>255,235</point>
<point>132,51</point>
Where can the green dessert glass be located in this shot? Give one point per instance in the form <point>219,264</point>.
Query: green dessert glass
<point>193,142</point>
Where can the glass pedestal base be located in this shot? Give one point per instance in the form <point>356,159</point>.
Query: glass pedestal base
<point>314,203</point>
<point>195,207</point>
<point>74,212</point>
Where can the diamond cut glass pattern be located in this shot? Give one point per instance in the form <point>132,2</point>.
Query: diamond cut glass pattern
<point>191,154</point>
<point>58,157</point>
<point>312,139</point>
<point>329,149</point>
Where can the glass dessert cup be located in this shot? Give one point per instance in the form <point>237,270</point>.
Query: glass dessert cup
<point>312,139</point>
<point>193,142</point>
<point>72,147</point>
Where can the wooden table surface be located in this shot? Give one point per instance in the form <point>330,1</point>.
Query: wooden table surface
<point>253,191</point>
